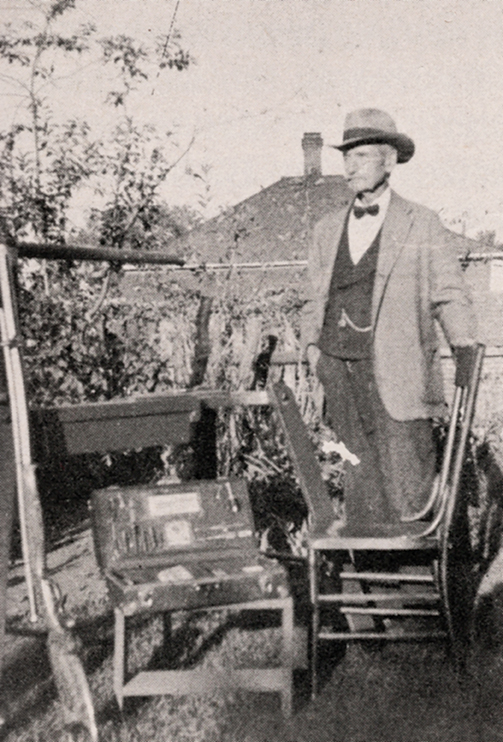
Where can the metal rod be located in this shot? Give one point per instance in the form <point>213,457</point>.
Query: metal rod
<point>482,256</point>
<point>271,264</point>
<point>243,266</point>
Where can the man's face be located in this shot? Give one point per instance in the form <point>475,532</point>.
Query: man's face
<point>366,166</point>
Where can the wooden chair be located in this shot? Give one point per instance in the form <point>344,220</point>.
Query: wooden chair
<point>408,582</point>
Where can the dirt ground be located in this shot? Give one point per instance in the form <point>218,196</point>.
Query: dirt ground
<point>392,693</point>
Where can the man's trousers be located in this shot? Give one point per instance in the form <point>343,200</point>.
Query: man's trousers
<point>397,459</point>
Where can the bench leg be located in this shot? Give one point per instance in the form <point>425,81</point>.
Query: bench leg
<point>119,655</point>
<point>167,644</point>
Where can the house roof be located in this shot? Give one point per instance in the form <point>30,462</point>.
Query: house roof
<point>272,225</point>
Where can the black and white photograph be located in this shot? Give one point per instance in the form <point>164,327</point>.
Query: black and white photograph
<point>251,371</point>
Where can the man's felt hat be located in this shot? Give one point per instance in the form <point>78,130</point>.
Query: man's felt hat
<point>371,126</point>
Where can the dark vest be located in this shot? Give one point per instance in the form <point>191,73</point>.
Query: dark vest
<point>346,327</point>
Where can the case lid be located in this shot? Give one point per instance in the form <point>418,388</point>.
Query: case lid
<point>163,523</point>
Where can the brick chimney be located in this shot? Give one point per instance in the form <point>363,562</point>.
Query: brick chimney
<point>312,144</point>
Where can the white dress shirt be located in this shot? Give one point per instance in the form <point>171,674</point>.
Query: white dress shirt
<point>362,232</point>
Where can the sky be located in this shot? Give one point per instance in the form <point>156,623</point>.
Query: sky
<point>266,71</point>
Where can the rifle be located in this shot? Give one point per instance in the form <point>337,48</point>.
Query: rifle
<point>43,594</point>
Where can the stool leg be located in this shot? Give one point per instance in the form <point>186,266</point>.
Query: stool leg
<point>315,620</point>
<point>119,655</point>
<point>167,646</point>
<point>287,657</point>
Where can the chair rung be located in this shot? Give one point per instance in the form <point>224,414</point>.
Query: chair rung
<point>368,610</point>
<point>386,577</point>
<point>377,597</point>
<point>381,635</point>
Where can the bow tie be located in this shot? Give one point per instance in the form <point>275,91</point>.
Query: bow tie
<point>360,211</point>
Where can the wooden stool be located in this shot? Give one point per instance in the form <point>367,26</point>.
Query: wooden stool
<point>206,681</point>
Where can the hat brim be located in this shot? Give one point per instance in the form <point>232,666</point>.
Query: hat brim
<point>401,142</point>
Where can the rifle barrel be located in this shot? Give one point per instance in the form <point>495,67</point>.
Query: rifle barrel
<point>80,252</point>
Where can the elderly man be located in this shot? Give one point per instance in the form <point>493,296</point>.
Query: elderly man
<point>380,272</point>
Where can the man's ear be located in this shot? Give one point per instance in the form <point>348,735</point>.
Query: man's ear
<point>390,159</point>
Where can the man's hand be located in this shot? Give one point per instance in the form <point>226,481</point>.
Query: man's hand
<point>313,355</point>
<point>464,358</point>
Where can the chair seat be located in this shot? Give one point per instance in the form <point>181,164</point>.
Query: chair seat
<point>377,536</point>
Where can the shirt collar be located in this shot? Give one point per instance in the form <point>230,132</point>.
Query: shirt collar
<point>383,200</point>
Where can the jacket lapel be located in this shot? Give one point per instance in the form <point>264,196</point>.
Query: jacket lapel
<point>395,231</point>
<point>333,247</point>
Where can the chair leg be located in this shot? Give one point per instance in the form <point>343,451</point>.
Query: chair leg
<point>315,620</point>
<point>119,655</point>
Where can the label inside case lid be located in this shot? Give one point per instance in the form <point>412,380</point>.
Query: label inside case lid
<point>177,503</point>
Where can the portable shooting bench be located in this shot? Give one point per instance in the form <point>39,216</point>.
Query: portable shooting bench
<point>427,594</point>
<point>185,546</point>
<point>179,547</point>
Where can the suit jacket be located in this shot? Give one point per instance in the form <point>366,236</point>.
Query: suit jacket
<point>418,280</point>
